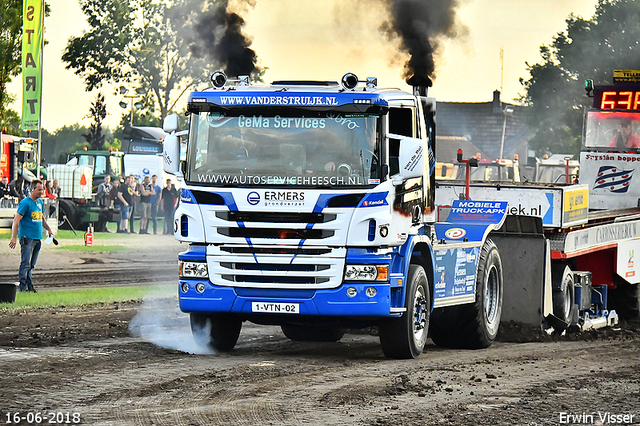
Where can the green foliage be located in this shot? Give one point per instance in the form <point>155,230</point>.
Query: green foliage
<point>133,41</point>
<point>10,47</point>
<point>57,145</point>
<point>97,112</point>
<point>587,49</point>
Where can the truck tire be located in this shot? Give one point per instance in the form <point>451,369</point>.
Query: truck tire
<point>218,331</point>
<point>66,209</point>
<point>474,325</point>
<point>625,300</point>
<point>302,333</point>
<point>563,295</point>
<point>405,337</point>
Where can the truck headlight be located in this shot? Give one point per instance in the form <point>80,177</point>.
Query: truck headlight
<point>193,269</point>
<point>366,273</point>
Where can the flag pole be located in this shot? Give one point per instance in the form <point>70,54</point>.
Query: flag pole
<point>41,81</point>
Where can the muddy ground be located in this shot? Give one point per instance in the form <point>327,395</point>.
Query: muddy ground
<point>136,364</point>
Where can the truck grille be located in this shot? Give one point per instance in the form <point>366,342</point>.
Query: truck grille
<point>262,269</point>
<point>297,225</point>
<point>270,217</point>
<point>283,234</point>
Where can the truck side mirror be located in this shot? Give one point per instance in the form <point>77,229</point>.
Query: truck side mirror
<point>171,147</point>
<point>411,159</point>
<point>170,123</point>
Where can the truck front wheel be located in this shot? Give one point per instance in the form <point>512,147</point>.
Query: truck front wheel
<point>218,331</point>
<point>405,337</point>
<point>474,326</point>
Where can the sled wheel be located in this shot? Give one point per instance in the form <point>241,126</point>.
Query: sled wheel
<point>301,333</point>
<point>405,337</point>
<point>625,299</point>
<point>563,293</point>
<point>474,325</point>
<point>219,331</point>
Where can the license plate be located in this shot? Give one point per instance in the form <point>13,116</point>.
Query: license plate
<point>275,308</point>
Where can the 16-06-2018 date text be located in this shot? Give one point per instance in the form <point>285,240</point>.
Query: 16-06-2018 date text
<point>44,417</point>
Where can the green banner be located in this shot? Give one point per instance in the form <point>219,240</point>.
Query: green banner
<point>32,29</point>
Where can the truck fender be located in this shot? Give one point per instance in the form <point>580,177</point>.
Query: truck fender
<point>417,249</point>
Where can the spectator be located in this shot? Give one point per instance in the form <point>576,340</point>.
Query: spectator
<point>6,200</point>
<point>136,193</point>
<point>155,202</point>
<point>104,190</point>
<point>114,201</point>
<point>146,191</point>
<point>48,190</point>
<point>56,188</point>
<point>17,188</point>
<point>4,187</point>
<point>125,195</point>
<point>27,225</point>
<point>169,204</point>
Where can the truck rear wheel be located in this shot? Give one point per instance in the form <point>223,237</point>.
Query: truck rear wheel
<point>405,337</point>
<point>474,326</point>
<point>563,293</point>
<point>218,331</point>
<point>301,333</point>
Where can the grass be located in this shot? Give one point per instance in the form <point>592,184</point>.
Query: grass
<point>85,297</point>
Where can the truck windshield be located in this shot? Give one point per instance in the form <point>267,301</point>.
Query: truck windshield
<point>612,131</point>
<point>315,149</point>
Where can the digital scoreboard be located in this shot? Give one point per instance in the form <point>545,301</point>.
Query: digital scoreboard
<point>618,97</point>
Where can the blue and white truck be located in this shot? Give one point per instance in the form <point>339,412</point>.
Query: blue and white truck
<point>311,205</point>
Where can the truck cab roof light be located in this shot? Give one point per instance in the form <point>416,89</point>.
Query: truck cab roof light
<point>218,79</point>
<point>349,80</point>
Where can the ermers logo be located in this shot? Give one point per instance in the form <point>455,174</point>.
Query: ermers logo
<point>284,198</point>
<point>253,198</point>
<point>455,233</point>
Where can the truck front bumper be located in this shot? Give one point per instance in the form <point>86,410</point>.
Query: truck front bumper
<point>325,302</point>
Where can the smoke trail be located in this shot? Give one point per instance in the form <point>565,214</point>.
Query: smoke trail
<point>159,321</point>
<point>419,24</point>
<point>220,38</point>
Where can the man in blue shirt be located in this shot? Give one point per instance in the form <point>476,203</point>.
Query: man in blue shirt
<point>27,225</point>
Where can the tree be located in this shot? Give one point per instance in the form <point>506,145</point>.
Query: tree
<point>587,49</point>
<point>133,41</point>
<point>61,142</point>
<point>10,47</point>
<point>97,112</point>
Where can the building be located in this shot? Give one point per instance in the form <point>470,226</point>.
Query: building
<point>478,128</point>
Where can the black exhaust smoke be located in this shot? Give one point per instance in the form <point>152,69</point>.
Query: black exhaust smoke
<point>220,38</point>
<point>418,24</point>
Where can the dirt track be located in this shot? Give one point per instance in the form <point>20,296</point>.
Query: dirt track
<point>136,364</point>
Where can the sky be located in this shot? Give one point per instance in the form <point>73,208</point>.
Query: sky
<point>324,39</point>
